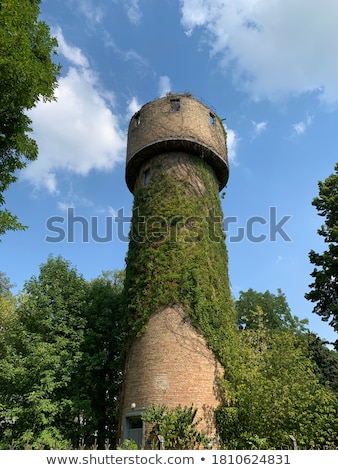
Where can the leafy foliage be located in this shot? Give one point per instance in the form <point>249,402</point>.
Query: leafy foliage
<point>27,74</point>
<point>324,288</point>
<point>273,392</point>
<point>61,360</point>
<point>277,314</point>
<point>178,427</point>
<point>128,444</point>
<point>5,285</point>
<point>325,360</point>
<point>43,351</point>
<point>97,382</point>
<point>277,317</point>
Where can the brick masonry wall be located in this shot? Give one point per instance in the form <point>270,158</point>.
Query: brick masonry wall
<point>170,363</point>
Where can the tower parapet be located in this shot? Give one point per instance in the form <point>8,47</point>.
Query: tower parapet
<point>179,123</point>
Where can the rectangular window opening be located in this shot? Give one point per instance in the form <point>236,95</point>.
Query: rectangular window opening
<point>137,119</point>
<point>175,105</point>
<point>135,422</point>
<point>146,176</point>
<point>212,119</point>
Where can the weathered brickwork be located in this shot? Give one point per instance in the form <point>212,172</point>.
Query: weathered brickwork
<point>170,363</point>
<point>193,128</point>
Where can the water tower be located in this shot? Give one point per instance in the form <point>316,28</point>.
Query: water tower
<point>177,293</point>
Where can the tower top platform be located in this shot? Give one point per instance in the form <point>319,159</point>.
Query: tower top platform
<point>176,122</point>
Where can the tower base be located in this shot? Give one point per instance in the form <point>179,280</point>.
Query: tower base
<point>169,363</point>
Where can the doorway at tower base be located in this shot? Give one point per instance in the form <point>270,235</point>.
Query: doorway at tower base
<point>169,364</point>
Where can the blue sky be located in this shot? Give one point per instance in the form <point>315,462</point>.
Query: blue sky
<point>269,68</point>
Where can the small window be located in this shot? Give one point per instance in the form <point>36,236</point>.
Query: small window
<point>137,119</point>
<point>146,176</point>
<point>175,105</point>
<point>212,119</point>
<point>135,422</point>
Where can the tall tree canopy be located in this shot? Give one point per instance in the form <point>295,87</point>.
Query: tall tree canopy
<point>324,288</point>
<point>41,352</point>
<point>325,359</point>
<point>27,75</point>
<point>62,345</point>
<point>96,384</point>
<point>271,392</point>
<point>277,318</point>
<point>277,314</point>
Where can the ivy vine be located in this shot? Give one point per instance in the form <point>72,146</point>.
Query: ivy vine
<point>177,253</point>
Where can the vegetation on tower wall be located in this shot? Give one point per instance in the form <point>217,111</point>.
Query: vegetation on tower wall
<point>177,253</point>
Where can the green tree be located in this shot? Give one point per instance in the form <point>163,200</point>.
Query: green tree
<point>8,318</point>
<point>43,349</point>
<point>62,346</point>
<point>273,392</point>
<point>278,317</point>
<point>27,75</point>
<point>96,385</point>
<point>11,367</point>
<point>325,359</point>
<point>5,285</point>
<point>277,313</point>
<point>324,288</point>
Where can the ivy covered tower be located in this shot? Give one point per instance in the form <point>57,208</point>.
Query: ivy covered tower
<point>177,294</point>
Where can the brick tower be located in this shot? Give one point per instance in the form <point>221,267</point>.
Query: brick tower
<point>177,293</point>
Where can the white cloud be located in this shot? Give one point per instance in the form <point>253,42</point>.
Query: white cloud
<point>133,10</point>
<point>133,106</point>
<point>78,132</point>
<point>129,55</point>
<point>232,142</point>
<point>93,13</point>
<point>112,211</point>
<point>71,53</point>
<point>259,127</point>
<point>273,49</point>
<point>64,206</point>
<point>301,126</point>
<point>164,85</point>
